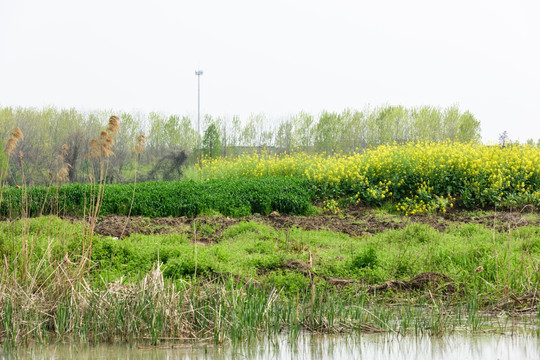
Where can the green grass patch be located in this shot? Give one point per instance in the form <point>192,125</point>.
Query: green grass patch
<point>254,280</point>
<point>230,197</point>
<point>252,250</point>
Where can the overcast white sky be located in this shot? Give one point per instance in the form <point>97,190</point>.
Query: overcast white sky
<point>276,57</point>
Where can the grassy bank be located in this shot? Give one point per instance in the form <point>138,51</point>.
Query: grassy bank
<point>245,269</point>
<point>258,279</point>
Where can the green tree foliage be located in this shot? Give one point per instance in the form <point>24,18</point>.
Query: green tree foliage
<point>328,132</point>
<point>46,130</point>
<point>235,136</point>
<point>187,136</point>
<point>285,136</point>
<point>211,142</point>
<point>169,167</point>
<point>303,130</point>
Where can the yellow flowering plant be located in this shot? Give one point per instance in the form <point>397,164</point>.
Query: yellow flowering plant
<point>416,177</point>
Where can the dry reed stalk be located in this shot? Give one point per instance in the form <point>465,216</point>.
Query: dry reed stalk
<point>63,166</point>
<point>40,293</point>
<point>100,149</point>
<point>138,150</point>
<point>16,136</point>
<point>62,175</point>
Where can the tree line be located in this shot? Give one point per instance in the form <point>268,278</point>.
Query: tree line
<point>58,138</point>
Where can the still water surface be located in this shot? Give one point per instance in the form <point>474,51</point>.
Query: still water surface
<point>375,347</point>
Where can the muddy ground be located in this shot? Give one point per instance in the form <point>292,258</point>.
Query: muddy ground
<point>353,222</point>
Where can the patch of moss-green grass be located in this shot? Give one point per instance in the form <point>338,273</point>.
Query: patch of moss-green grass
<point>473,256</point>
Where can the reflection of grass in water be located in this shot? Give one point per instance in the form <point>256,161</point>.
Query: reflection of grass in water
<point>310,346</point>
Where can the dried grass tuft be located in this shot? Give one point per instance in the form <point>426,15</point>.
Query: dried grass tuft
<point>141,143</point>
<point>16,135</point>
<point>102,147</point>
<point>63,167</point>
<point>63,173</point>
<point>114,124</point>
<point>95,149</point>
<point>153,281</point>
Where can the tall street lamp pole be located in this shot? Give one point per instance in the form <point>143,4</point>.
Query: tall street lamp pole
<point>198,73</point>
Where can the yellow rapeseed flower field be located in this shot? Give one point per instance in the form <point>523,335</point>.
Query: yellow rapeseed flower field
<point>414,177</point>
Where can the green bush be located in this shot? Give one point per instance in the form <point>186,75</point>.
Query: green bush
<point>367,258</point>
<point>291,282</point>
<point>180,267</point>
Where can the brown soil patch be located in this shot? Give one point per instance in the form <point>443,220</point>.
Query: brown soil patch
<point>205,229</point>
<point>298,265</point>
<point>350,225</point>
<point>500,221</point>
<point>355,222</point>
<point>428,280</point>
<point>120,226</point>
<point>305,269</point>
<point>435,282</point>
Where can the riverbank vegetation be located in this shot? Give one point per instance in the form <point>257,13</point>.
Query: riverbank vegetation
<point>265,243</point>
<point>412,178</point>
<point>256,278</point>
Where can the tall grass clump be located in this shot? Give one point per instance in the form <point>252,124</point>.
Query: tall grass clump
<point>36,272</point>
<point>101,149</point>
<point>16,136</point>
<point>154,311</point>
<point>138,150</point>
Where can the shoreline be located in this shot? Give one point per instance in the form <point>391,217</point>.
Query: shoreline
<point>231,280</point>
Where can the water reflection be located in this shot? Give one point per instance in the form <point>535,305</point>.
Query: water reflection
<point>375,347</point>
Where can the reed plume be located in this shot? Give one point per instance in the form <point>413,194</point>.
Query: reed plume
<point>16,135</point>
<point>114,124</point>
<point>141,143</point>
<point>107,142</point>
<point>63,167</point>
<point>102,147</point>
<point>95,148</point>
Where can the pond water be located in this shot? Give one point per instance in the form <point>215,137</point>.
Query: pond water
<point>460,347</point>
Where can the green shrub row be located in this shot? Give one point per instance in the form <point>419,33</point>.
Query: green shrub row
<point>230,197</point>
